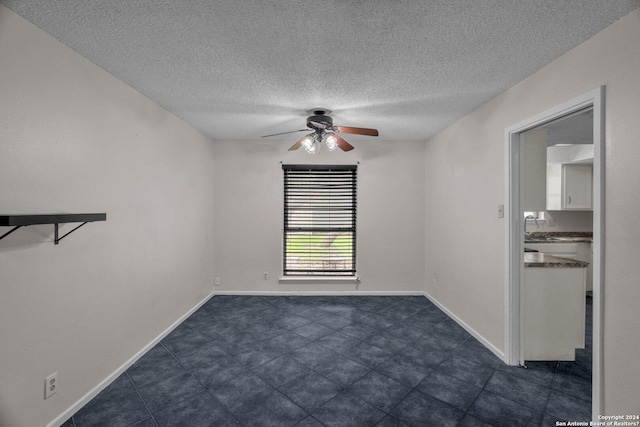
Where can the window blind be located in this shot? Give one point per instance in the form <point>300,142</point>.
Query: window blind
<point>319,220</point>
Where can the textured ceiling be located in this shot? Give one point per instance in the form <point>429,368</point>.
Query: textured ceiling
<point>242,69</point>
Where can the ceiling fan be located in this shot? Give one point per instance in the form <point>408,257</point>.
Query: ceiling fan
<point>323,130</point>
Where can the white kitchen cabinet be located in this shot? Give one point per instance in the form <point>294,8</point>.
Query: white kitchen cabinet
<point>564,250</point>
<point>554,312</point>
<point>570,187</point>
<point>590,268</point>
<point>534,169</point>
<point>582,251</point>
<point>584,254</point>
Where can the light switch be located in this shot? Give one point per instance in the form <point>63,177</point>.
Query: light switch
<point>500,211</point>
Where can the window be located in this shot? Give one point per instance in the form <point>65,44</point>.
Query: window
<point>319,220</point>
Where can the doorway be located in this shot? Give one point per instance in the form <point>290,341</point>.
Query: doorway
<point>514,233</point>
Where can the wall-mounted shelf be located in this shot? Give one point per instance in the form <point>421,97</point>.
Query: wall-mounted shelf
<point>18,221</point>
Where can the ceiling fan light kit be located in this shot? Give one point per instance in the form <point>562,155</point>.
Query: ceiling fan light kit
<point>312,142</point>
<point>324,132</point>
<point>309,144</point>
<point>331,141</point>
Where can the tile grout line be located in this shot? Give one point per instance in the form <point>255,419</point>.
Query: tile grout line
<point>412,388</point>
<point>204,386</point>
<point>255,310</point>
<point>135,387</point>
<point>345,388</point>
<point>396,353</point>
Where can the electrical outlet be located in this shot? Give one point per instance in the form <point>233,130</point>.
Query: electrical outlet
<point>50,385</point>
<point>265,275</point>
<point>216,281</point>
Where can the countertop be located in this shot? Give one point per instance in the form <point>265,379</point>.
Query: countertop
<point>559,237</point>
<point>539,259</point>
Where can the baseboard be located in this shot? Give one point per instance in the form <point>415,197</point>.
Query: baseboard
<point>466,327</point>
<point>322,293</point>
<point>63,417</point>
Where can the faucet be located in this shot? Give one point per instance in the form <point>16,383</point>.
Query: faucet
<point>526,233</point>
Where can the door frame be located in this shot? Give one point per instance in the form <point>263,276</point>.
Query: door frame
<point>514,236</point>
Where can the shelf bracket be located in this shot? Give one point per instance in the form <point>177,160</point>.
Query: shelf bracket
<point>10,231</point>
<point>57,239</point>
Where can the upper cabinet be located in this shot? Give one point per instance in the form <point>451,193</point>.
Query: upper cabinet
<point>570,187</point>
<point>534,169</point>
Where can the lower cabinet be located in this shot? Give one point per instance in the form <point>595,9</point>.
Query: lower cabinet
<point>554,312</point>
<point>582,251</point>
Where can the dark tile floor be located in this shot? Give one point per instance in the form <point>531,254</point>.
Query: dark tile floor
<point>335,361</point>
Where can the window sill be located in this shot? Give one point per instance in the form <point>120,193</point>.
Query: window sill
<point>318,279</point>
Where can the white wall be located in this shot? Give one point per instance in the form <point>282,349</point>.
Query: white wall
<point>565,221</point>
<point>75,139</point>
<point>249,215</point>
<point>464,175</point>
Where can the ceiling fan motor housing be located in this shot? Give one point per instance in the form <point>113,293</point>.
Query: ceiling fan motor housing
<point>319,117</point>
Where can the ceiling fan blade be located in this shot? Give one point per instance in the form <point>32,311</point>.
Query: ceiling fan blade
<point>284,133</point>
<point>297,144</point>
<point>344,145</point>
<point>357,131</point>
